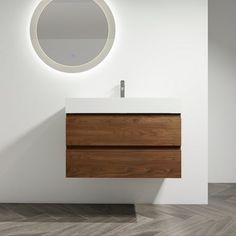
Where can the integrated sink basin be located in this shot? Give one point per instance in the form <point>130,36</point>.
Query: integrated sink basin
<point>122,105</point>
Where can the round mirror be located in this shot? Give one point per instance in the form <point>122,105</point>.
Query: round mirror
<point>72,35</point>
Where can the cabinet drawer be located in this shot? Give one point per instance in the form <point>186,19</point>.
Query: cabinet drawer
<point>123,130</point>
<point>123,163</point>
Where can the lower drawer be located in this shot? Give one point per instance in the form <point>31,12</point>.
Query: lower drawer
<point>123,163</point>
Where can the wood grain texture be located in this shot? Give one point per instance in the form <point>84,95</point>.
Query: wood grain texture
<point>123,130</point>
<point>127,163</point>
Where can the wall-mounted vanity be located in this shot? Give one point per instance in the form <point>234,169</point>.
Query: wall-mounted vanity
<point>123,138</point>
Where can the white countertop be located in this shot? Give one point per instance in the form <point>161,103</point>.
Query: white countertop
<point>123,105</point>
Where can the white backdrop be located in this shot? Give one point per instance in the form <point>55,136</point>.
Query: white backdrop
<point>160,51</point>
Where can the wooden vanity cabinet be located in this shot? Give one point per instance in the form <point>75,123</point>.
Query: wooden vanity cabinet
<point>123,145</point>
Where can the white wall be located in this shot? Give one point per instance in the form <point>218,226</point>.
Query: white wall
<point>160,50</point>
<point>222,91</point>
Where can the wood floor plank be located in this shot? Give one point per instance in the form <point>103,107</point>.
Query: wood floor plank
<point>217,218</point>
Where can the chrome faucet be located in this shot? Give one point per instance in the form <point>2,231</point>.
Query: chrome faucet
<point>122,88</point>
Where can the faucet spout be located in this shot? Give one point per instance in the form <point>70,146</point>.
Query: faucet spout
<point>122,88</point>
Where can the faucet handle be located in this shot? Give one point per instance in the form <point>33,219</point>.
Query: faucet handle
<point>122,88</point>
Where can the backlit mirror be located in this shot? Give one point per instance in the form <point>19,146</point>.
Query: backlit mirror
<point>72,35</point>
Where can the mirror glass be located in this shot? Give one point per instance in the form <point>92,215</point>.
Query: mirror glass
<point>72,35</point>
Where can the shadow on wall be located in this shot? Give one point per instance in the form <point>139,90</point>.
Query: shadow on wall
<point>115,92</point>
<point>222,87</point>
<point>32,156</point>
<point>36,166</point>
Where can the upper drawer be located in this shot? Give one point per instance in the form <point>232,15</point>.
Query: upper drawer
<point>123,130</point>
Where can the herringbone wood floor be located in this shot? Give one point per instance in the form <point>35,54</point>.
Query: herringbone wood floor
<point>216,218</point>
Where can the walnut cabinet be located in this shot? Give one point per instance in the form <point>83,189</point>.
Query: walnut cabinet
<point>123,145</point>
